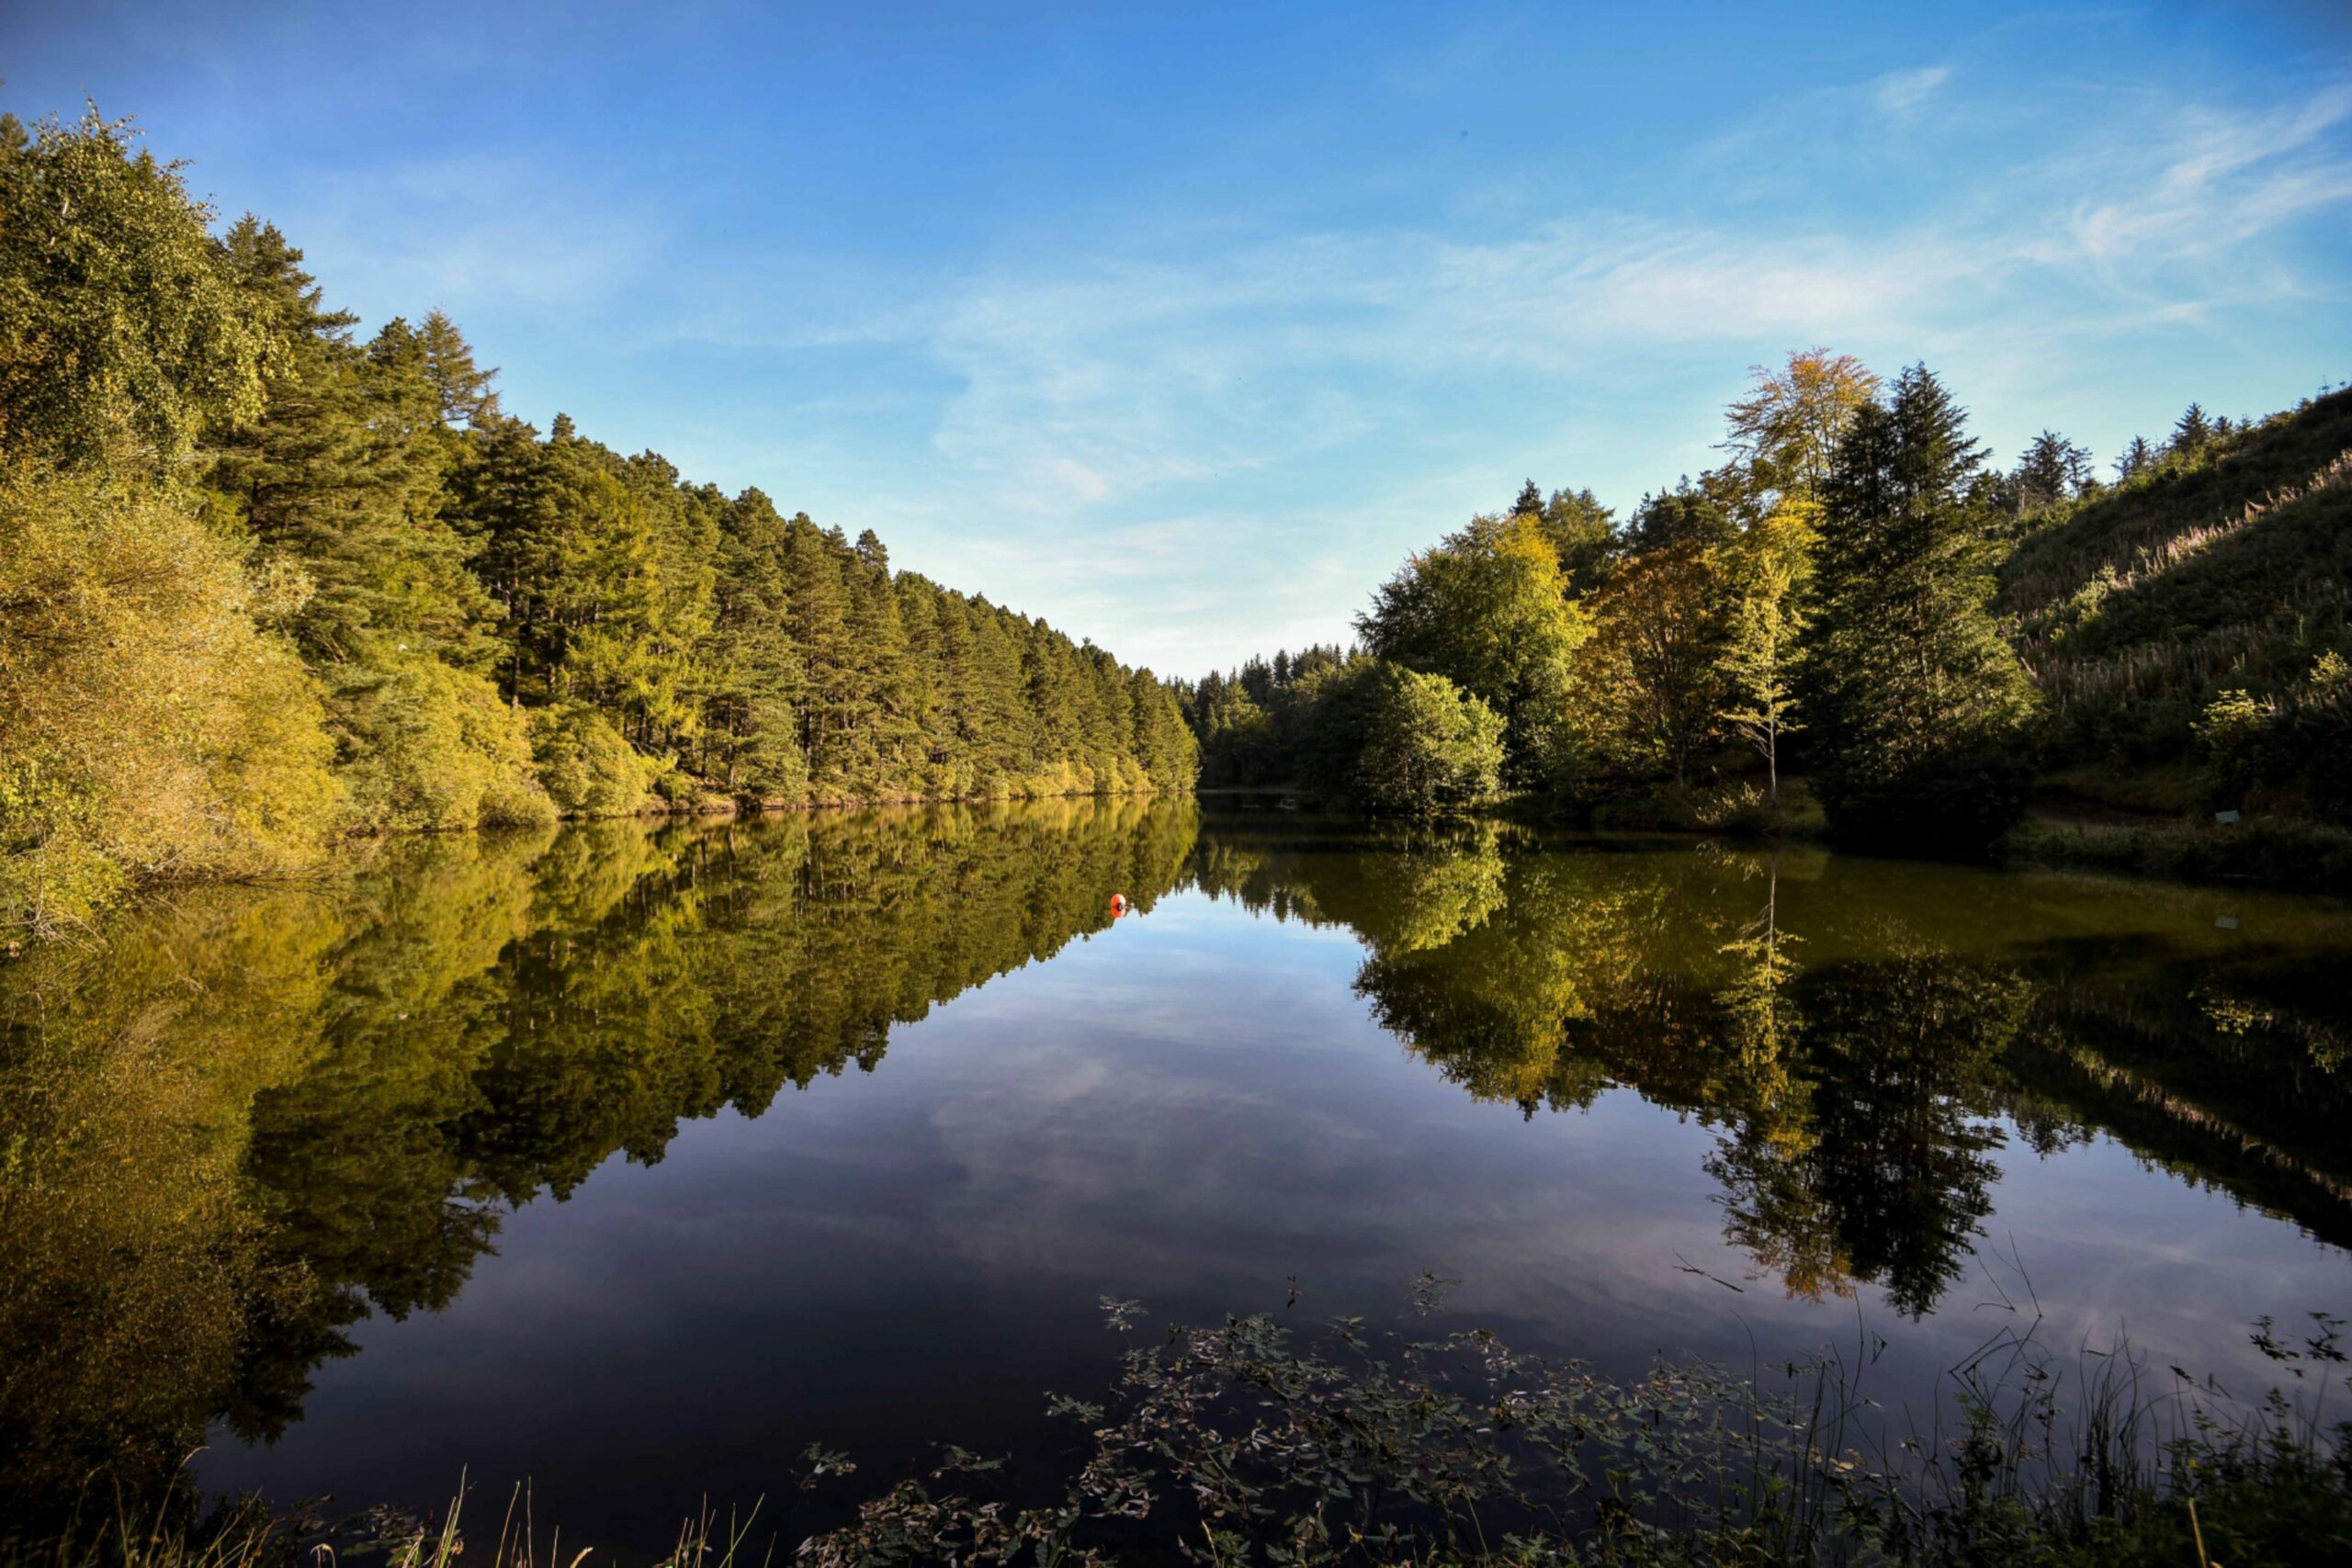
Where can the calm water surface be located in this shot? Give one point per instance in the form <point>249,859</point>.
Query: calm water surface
<point>634,1159</point>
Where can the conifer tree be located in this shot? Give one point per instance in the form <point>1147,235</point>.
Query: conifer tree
<point>2191,432</point>
<point>2050,471</point>
<point>461,389</point>
<point>1583,535</point>
<point>1919,706</point>
<point>2137,458</point>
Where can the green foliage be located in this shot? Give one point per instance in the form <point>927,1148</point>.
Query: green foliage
<point>1429,746</point>
<point>2300,739</point>
<point>1649,687</point>
<point>1919,708</point>
<point>2219,566</point>
<point>1487,609</point>
<point>341,474</point>
<point>1251,724</point>
<point>470,605</point>
<point>1426,745</point>
<point>121,336</point>
<point>147,728</point>
<point>1761,647</point>
<point>1786,430</point>
<point>430,748</point>
<point>588,769</point>
<point>1823,600</point>
<point>1582,534</point>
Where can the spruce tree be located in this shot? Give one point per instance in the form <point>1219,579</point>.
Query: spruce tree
<point>753,673</point>
<point>1920,708</point>
<point>2050,469</point>
<point>2192,431</point>
<point>2137,458</point>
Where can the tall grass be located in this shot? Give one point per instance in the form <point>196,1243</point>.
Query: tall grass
<point>1246,1442</point>
<point>2227,568</point>
<point>245,1534</point>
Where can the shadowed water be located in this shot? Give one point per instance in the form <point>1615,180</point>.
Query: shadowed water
<point>634,1159</point>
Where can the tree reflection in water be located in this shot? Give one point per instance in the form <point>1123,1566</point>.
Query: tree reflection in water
<point>252,1117</point>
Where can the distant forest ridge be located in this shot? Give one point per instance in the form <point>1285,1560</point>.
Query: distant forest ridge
<point>265,584</point>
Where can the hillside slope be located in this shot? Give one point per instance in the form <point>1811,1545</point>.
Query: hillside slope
<point>2226,570</point>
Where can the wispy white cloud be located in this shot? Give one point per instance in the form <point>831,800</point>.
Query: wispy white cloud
<point>1900,92</point>
<point>2220,182</point>
<point>1128,425</point>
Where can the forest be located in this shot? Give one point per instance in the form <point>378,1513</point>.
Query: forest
<point>267,583</point>
<point>1860,596</point>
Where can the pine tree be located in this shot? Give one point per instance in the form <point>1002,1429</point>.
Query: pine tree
<point>303,472</point>
<point>1583,534</point>
<point>461,389</point>
<point>753,677</point>
<point>821,631</point>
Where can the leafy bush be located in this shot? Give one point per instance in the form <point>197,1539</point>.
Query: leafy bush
<point>147,727</point>
<point>1387,738</point>
<point>2297,744</point>
<point>1429,746</point>
<point>588,769</point>
<point>429,748</point>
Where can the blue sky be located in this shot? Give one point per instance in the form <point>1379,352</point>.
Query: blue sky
<point>1181,325</point>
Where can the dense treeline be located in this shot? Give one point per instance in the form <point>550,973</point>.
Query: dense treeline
<point>264,581</point>
<point>1826,598</point>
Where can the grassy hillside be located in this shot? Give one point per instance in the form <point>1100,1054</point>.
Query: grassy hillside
<point>2230,569</point>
